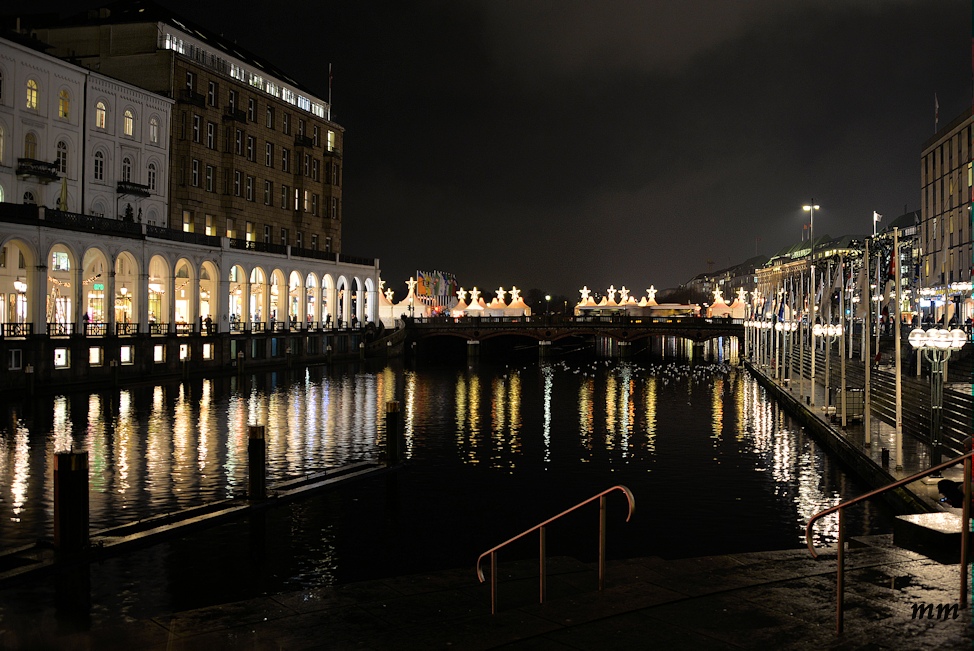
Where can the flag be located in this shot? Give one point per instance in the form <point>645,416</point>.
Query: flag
<point>862,309</point>
<point>876,219</point>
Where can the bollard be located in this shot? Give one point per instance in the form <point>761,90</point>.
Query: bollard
<point>361,350</point>
<point>392,433</point>
<point>885,454</point>
<point>257,454</point>
<point>70,501</point>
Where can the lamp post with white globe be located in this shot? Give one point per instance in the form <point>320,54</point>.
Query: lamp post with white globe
<point>937,345</point>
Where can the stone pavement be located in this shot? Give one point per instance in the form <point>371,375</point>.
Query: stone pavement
<point>766,600</point>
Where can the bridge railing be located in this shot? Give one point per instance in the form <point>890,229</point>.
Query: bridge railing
<point>571,321</point>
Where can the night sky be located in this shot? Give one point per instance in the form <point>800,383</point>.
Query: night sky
<point>556,144</point>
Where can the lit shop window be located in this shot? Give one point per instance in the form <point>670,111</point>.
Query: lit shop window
<point>61,358</point>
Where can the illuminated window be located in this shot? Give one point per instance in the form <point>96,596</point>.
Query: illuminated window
<point>208,351</point>
<point>183,352</point>
<point>128,123</point>
<point>95,356</point>
<point>63,104</point>
<point>331,140</point>
<point>31,94</point>
<point>159,353</point>
<point>151,176</point>
<point>61,358</point>
<point>101,115</point>
<point>154,130</point>
<point>99,170</point>
<point>126,355</point>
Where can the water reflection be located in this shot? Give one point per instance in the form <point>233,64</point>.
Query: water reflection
<point>159,448</point>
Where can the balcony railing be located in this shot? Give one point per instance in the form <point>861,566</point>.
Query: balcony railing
<point>46,172</point>
<point>303,141</point>
<point>188,96</point>
<point>18,329</point>
<point>230,113</point>
<point>132,188</point>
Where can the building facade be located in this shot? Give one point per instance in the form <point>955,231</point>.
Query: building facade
<point>254,155</point>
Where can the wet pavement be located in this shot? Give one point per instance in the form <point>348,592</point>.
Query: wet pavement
<point>770,600</point>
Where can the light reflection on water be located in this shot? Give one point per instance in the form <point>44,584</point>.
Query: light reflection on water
<point>695,443</point>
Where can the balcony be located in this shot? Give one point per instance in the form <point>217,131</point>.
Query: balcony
<point>132,188</point>
<point>304,141</point>
<point>333,152</point>
<point>238,115</point>
<point>46,172</point>
<point>187,96</point>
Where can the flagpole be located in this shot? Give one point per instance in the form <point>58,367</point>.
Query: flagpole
<point>867,402</point>
<point>329,92</point>
<point>896,339</point>
<point>842,339</point>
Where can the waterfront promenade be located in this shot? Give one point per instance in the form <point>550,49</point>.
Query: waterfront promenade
<point>778,599</point>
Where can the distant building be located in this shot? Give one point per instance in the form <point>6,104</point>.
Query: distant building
<point>945,219</point>
<point>254,153</point>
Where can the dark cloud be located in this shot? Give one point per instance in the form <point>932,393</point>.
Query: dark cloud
<point>561,144</point>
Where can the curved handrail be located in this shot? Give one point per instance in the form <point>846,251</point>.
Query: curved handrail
<point>874,493</point>
<point>626,491</point>
<point>840,508</point>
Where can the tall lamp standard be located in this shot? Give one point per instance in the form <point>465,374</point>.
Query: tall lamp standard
<point>547,304</point>
<point>937,346</point>
<point>810,209</point>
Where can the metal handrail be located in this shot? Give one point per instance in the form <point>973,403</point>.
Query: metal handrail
<point>840,508</point>
<point>541,529</point>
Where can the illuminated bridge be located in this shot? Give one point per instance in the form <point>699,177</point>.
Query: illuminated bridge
<point>617,328</point>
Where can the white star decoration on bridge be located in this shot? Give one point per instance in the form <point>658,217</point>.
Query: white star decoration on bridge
<point>623,294</point>
<point>651,292</point>
<point>461,294</point>
<point>474,295</point>
<point>500,294</point>
<point>515,294</point>
<point>585,292</point>
<point>742,294</point>
<point>611,292</point>
<point>389,294</point>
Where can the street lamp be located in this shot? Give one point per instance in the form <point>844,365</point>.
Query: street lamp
<point>810,209</point>
<point>936,346</point>
<point>547,304</point>
<point>831,331</point>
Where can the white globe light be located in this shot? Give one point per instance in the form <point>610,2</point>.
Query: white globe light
<point>940,340</point>
<point>918,338</point>
<point>957,339</point>
<point>778,326</point>
<point>817,329</point>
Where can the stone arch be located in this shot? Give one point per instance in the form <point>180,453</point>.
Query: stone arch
<point>371,310</point>
<point>258,295</point>
<point>312,300</point>
<point>127,298</point>
<point>95,268</point>
<point>159,287</point>
<point>342,310</point>
<point>185,292</point>
<point>296,303</point>
<point>61,286</point>
<point>16,281</point>
<point>209,290</point>
<point>328,299</point>
<point>277,298</point>
<point>238,294</point>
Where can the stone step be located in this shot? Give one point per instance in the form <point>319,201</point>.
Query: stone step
<point>935,535</point>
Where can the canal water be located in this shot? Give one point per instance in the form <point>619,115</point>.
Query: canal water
<point>491,449</point>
